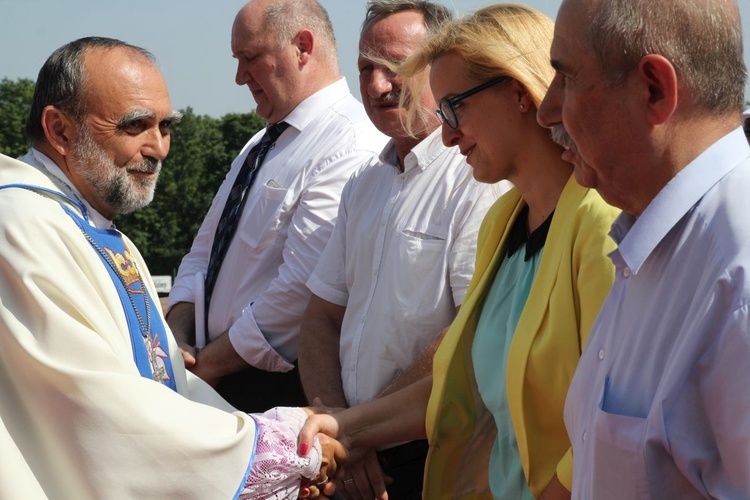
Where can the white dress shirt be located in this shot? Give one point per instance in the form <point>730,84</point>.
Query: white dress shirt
<point>260,291</point>
<point>660,403</point>
<point>400,259</point>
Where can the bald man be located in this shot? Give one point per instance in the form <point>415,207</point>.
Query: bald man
<point>252,282</point>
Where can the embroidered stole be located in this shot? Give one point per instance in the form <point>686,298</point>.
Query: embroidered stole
<point>148,336</point>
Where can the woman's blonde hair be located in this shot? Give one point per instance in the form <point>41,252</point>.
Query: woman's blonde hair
<point>498,40</point>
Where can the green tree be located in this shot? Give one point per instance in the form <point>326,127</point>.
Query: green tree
<point>237,128</point>
<point>15,102</point>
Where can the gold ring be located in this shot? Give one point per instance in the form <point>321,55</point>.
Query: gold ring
<point>322,482</point>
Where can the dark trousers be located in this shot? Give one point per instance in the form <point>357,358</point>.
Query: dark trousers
<point>255,391</point>
<point>405,464</point>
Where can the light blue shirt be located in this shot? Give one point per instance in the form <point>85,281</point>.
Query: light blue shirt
<point>660,403</point>
<point>497,322</point>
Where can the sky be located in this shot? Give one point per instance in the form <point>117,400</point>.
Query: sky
<point>190,39</point>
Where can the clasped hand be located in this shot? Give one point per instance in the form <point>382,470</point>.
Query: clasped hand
<point>363,478</point>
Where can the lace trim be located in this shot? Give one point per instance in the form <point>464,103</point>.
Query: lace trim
<point>277,470</point>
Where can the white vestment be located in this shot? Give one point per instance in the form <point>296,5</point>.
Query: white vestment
<point>77,420</point>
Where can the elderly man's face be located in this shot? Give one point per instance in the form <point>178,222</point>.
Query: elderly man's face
<point>124,135</point>
<point>598,117</point>
<point>123,190</point>
<point>392,38</point>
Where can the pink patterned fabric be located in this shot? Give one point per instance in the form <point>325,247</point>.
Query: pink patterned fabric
<point>277,469</point>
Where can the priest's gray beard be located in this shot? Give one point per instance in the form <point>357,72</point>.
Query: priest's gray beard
<point>114,184</point>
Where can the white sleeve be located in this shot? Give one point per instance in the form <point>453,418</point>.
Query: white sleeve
<point>277,312</point>
<point>328,280</point>
<point>708,425</point>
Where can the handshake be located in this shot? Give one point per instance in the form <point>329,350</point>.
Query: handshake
<point>322,428</point>
<point>315,442</point>
<point>350,436</point>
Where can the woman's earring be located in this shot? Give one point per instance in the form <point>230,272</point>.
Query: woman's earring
<point>522,107</point>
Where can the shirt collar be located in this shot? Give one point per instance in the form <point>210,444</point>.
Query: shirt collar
<point>638,237</point>
<point>519,235</point>
<point>39,160</point>
<point>421,155</point>
<point>307,111</point>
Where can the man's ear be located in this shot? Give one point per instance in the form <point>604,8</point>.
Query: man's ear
<point>661,87</point>
<point>59,129</point>
<point>305,42</point>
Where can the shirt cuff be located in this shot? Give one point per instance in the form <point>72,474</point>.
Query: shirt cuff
<point>250,343</point>
<point>327,292</point>
<point>179,294</point>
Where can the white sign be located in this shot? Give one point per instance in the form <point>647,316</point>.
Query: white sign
<point>163,283</point>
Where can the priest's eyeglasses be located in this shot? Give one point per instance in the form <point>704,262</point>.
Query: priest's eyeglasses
<point>447,107</point>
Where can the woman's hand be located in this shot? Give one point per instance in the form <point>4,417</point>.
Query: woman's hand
<point>322,485</point>
<point>311,491</point>
<point>334,452</point>
<point>321,420</point>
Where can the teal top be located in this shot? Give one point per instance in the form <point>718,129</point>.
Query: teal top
<point>497,322</point>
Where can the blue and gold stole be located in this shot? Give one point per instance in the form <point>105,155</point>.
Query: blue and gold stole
<point>147,332</point>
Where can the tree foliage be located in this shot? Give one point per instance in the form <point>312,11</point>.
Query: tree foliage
<point>15,102</point>
<point>202,150</point>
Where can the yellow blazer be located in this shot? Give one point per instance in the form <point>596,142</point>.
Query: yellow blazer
<point>573,279</point>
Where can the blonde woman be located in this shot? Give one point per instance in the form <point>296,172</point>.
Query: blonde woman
<point>500,377</point>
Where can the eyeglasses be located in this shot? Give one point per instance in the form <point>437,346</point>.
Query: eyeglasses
<point>447,110</point>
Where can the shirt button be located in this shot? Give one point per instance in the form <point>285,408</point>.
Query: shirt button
<point>583,437</point>
<point>626,272</point>
<point>601,354</point>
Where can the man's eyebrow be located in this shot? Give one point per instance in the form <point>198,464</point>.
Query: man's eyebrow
<point>173,118</point>
<point>137,115</point>
<point>133,117</point>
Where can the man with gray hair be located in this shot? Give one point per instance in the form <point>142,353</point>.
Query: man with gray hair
<point>651,94</point>
<point>270,220</point>
<point>400,259</point>
<point>90,377</point>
